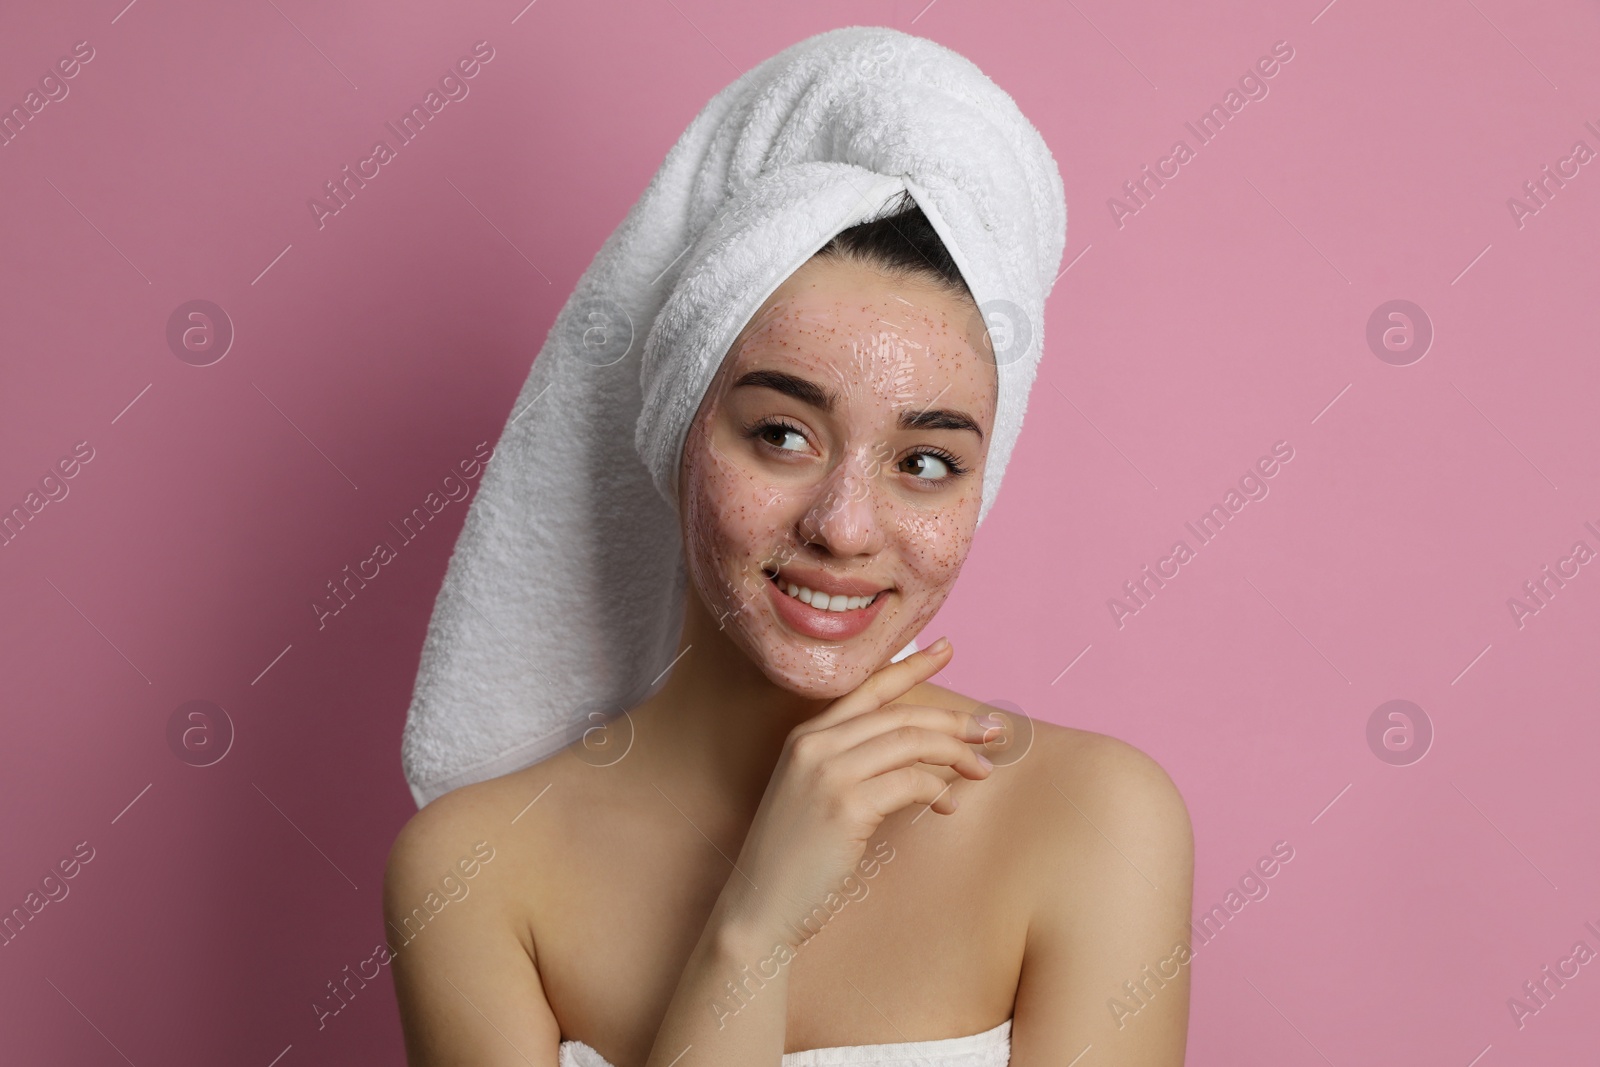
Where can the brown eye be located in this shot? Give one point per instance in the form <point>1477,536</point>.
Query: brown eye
<point>922,463</point>
<point>777,433</point>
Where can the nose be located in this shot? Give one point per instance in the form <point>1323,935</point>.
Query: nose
<point>843,517</point>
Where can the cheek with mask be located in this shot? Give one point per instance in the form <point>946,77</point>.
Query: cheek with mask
<point>857,516</point>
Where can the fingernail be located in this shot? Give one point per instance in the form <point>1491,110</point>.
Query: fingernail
<point>939,645</point>
<point>990,721</point>
<point>984,760</point>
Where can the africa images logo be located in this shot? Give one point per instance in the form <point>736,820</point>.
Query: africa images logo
<point>453,87</point>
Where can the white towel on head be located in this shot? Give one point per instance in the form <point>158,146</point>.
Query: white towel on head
<point>563,600</point>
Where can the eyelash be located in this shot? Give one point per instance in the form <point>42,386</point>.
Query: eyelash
<point>956,469</point>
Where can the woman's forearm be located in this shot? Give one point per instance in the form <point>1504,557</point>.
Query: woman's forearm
<point>731,1006</point>
<point>839,775</point>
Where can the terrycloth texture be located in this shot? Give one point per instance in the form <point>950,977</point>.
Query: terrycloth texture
<point>563,600</point>
<point>992,1048</point>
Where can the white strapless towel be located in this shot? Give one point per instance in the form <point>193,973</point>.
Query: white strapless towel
<point>992,1048</point>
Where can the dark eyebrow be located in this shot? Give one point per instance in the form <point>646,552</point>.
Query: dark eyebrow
<point>810,393</point>
<point>938,419</point>
<point>790,385</point>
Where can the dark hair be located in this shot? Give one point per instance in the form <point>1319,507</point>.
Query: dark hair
<point>900,240</point>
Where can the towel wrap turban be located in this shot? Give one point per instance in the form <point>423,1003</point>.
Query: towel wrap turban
<point>562,603</point>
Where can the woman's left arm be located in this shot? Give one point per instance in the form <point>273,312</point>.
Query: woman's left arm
<point>1106,966</point>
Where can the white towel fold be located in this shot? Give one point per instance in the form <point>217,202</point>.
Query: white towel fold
<point>562,603</point>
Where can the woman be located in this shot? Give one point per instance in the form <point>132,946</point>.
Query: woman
<point>794,850</point>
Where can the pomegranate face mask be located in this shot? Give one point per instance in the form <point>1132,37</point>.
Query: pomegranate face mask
<point>831,481</point>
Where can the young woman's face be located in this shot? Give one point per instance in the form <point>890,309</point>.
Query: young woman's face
<point>841,448</point>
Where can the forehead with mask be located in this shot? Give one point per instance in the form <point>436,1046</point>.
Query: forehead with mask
<point>831,480</point>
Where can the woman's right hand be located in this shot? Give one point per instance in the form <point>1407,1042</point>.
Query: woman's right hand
<point>839,775</point>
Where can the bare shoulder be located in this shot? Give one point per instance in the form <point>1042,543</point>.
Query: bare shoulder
<point>489,819</point>
<point>1079,798</point>
<point>444,853</point>
<point>1081,764</point>
<point>1105,776</point>
<point>1120,846</point>
<point>1103,853</point>
<point>464,960</point>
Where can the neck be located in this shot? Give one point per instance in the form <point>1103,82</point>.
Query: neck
<point>717,726</point>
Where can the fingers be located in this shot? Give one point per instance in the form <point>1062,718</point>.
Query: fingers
<point>887,683</point>
<point>962,725</point>
<point>904,746</point>
<point>897,789</point>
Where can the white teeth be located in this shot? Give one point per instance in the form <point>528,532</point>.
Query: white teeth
<point>824,602</point>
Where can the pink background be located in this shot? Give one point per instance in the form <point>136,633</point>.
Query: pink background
<point>373,354</point>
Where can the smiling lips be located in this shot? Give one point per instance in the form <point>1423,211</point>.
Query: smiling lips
<point>842,610</point>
